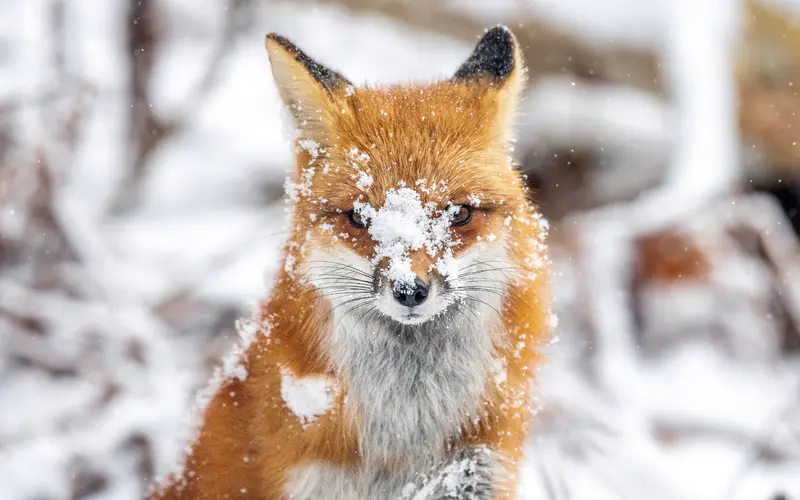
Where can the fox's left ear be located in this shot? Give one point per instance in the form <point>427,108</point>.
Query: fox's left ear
<point>496,65</point>
<point>312,92</point>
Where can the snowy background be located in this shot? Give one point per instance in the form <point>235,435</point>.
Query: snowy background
<point>142,157</point>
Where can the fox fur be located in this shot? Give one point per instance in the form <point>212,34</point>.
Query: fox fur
<point>427,408</point>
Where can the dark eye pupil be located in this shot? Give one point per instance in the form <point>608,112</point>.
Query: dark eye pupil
<point>463,216</point>
<point>355,219</point>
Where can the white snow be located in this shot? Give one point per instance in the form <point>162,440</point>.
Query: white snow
<point>311,146</point>
<point>453,480</point>
<point>302,187</point>
<point>499,372</point>
<point>403,225</point>
<point>364,181</point>
<point>307,397</point>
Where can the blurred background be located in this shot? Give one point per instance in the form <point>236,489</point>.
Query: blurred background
<point>143,151</point>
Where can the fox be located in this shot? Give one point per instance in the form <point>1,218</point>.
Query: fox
<point>395,355</point>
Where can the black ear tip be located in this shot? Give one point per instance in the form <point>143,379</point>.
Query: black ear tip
<point>283,42</point>
<point>274,36</point>
<point>494,57</point>
<point>329,78</point>
<point>499,35</point>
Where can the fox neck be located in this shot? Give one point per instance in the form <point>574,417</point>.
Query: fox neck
<point>412,387</point>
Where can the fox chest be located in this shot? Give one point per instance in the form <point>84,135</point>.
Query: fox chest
<point>472,473</point>
<point>408,398</point>
<point>322,481</point>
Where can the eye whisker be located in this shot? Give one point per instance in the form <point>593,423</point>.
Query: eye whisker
<point>324,279</point>
<point>344,271</point>
<point>337,294</point>
<point>484,280</point>
<point>338,274</point>
<point>492,268</point>
<point>321,275</point>
<point>335,305</point>
<point>481,286</point>
<point>510,271</point>
<point>482,263</point>
<point>337,290</point>
<point>339,265</point>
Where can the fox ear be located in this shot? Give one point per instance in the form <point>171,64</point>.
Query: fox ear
<point>496,64</point>
<point>312,92</point>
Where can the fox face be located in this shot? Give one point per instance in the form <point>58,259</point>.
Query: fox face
<point>406,194</point>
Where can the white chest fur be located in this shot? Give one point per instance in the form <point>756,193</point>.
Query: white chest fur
<point>410,388</point>
<point>318,481</point>
<point>471,473</point>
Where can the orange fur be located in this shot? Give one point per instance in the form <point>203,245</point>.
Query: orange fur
<point>452,134</point>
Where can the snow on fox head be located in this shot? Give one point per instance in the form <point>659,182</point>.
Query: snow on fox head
<point>405,198</point>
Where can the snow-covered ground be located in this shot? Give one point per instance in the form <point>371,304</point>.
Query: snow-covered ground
<point>100,398</point>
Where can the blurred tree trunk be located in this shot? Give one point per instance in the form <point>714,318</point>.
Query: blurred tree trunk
<point>142,46</point>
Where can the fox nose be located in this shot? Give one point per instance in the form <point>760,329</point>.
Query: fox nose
<point>412,296</point>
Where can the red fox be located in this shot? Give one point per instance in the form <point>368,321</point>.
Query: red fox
<point>395,355</point>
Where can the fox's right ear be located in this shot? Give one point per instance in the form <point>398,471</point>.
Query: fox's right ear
<point>312,92</point>
<point>496,66</point>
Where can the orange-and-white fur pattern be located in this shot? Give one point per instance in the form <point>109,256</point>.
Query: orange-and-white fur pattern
<point>394,357</point>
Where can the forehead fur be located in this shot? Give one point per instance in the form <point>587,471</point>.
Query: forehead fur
<point>440,139</point>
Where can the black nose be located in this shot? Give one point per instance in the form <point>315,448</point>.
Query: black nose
<point>413,296</point>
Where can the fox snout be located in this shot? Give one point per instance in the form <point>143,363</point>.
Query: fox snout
<point>414,295</point>
<point>414,290</point>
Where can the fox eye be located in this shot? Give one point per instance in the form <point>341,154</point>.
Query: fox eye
<point>355,219</point>
<point>463,216</point>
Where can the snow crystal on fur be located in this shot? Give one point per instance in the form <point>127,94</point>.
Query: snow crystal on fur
<point>311,146</point>
<point>364,181</point>
<point>232,365</point>
<point>453,480</point>
<point>307,397</point>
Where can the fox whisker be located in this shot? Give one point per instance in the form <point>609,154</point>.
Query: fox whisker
<point>359,304</point>
<point>334,276</point>
<point>481,263</point>
<point>340,265</point>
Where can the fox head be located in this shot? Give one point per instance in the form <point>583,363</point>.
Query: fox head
<point>406,197</point>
